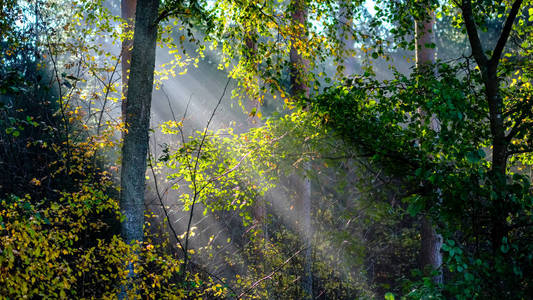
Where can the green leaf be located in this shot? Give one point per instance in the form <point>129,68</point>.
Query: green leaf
<point>504,248</point>
<point>473,157</point>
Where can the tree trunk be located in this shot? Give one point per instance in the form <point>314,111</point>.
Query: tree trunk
<point>431,242</point>
<point>299,88</point>
<point>499,158</point>
<point>425,36</point>
<point>500,141</point>
<point>430,252</point>
<point>139,98</point>
<point>128,14</point>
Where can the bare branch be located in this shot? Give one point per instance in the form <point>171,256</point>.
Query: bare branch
<point>162,204</point>
<point>269,276</point>
<point>194,170</point>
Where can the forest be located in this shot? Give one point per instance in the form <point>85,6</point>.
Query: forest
<point>266,149</point>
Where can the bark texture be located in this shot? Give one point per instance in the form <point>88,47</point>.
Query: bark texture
<point>137,118</point>
<point>430,254</point>
<point>128,14</point>
<point>425,36</point>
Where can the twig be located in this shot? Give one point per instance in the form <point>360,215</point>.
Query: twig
<point>269,276</point>
<point>195,187</point>
<point>163,205</point>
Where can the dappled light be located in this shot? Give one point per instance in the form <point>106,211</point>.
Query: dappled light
<point>235,149</point>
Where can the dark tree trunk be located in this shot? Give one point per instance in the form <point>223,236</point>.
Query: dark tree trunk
<point>137,118</point>
<point>499,158</point>
<point>500,142</point>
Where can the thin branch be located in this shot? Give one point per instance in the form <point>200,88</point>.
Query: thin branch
<point>519,125</point>
<point>108,89</point>
<point>521,151</point>
<point>214,275</point>
<point>195,187</point>
<point>163,205</point>
<point>62,106</point>
<point>269,276</point>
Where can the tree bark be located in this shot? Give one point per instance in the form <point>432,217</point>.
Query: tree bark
<point>137,118</point>
<point>299,88</point>
<point>425,36</point>
<point>128,14</point>
<point>431,242</point>
<point>430,254</point>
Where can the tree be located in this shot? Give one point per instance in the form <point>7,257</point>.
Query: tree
<point>481,203</point>
<point>137,119</point>
<point>501,141</point>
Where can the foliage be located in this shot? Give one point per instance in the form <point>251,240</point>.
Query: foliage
<point>446,172</point>
<point>47,253</point>
<point>59,216</point>
<point>382,153</point>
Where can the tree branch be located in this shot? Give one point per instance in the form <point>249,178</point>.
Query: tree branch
<point>518,127</point>
<point>504,36</point>
<point>269,276</point>
<point>162,204</point>
<point>520,151</point>
<point>473,37</point>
